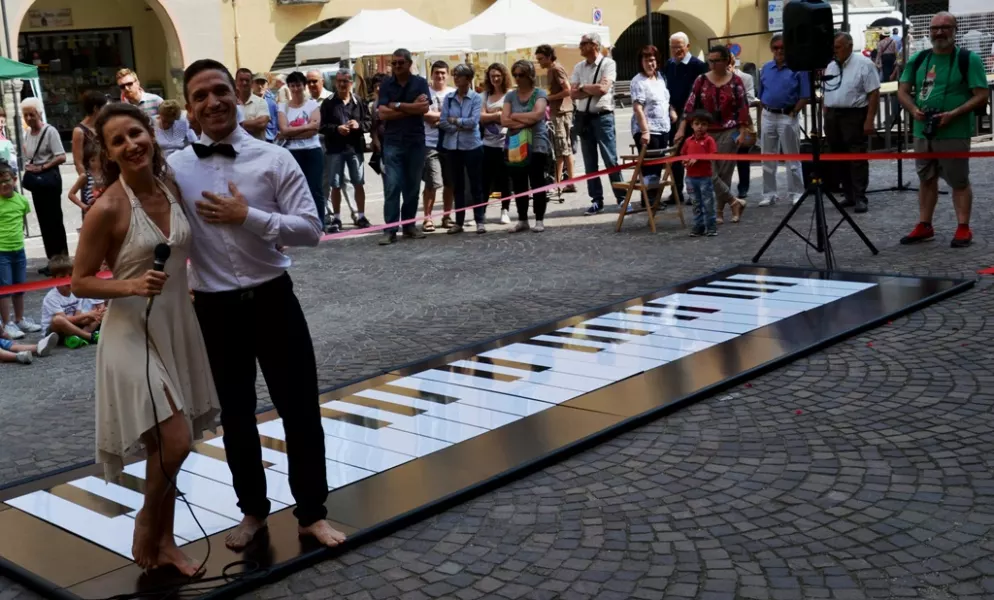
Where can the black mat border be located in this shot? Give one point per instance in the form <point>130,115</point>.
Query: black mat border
<point>385,528</point>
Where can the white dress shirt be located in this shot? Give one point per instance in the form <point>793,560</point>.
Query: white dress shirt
<point>281,212</point>
<point>858,79</point>
<point>583,74</point>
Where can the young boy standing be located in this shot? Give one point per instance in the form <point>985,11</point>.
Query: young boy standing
<point>13,261</point>
<point>699,174</point>
<point>76,321</point>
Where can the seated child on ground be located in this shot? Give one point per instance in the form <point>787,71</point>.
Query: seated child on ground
<point>25,353</point>
<point>75,320</point>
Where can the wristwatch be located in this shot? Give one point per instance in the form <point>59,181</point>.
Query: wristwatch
<point>396,105</point>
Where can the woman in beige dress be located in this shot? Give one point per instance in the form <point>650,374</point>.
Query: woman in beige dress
<point>138,212</point>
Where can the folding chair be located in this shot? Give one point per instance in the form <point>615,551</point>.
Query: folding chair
<point>637,184</point>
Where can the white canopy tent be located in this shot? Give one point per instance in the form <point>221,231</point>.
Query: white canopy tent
<point>380,32</point>
<point>510,25</point>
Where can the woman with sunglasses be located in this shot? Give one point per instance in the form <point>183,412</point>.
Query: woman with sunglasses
<point>722,94</point>
<point>524,109</point>
<point>300,120</point>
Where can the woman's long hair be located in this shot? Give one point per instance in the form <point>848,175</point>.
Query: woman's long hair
<point>111,169</point>
<point>505,79</point>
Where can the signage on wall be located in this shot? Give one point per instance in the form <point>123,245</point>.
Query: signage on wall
<point>775,15</point>
<point>597,16</point>
<point>55,19</point>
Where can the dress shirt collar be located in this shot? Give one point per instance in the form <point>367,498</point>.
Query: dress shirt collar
<point>236,138</point>
<point>686,58</point>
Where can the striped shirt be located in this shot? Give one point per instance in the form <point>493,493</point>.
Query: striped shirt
<point>149,104</point>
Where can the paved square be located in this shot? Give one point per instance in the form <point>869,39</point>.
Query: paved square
<point>862,471</point>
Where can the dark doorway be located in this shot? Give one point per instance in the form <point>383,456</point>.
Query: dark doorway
<point>631,40</point>
<point>288,56</point>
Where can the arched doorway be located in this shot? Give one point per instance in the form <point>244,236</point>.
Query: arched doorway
<point>78,46</point>
<point>632,39</point>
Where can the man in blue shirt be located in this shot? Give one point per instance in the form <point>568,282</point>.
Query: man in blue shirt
<point>402,104</point>
<point>681,71</point>
<point>783,95</point>
<point>260,88</point>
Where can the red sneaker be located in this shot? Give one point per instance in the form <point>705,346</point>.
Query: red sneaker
<point>920,233</point>
<point>962,238</point>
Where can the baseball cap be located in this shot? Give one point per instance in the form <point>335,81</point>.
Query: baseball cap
<point>259,77</point>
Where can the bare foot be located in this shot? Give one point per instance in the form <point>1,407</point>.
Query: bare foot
<point>324,533</point>
<point>242,535</point>
<point>169,554</point>
<point>144,548</point>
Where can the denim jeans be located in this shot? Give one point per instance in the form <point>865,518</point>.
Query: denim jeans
<point>468,165</point>
<point>13,270</point>
<point>311,162</point>
<point>701,191</point>
<point>598,134</point>
<point>402,169</point>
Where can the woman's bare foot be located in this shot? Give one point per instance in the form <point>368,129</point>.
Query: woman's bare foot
<point>242,535</point>
<point>323,532</point>
<point>169,554</point>
<point>145,548</point>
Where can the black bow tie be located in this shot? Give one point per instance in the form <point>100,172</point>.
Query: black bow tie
<point>203,150</point>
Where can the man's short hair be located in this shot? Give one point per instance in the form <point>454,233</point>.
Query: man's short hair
<point>199,66</point>
<point>60,266</point>
<point>843,35</point>
<point>777,37</point>
<point>243,71</point>
<point>439,64</point>
<point>347,73</point>
<point>122,73</point>
<point>594,38</point>
<point>403,53</point>
<point>546,50</point>
<point>680,37</point>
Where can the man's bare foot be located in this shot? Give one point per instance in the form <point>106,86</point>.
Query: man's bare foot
<point>242,535</point>
<point>169,554</point>
<point>144,548</point>
<point>323,532</point>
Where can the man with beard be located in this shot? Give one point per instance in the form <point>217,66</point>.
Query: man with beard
<point>239,276</point>
<point>950,84</point>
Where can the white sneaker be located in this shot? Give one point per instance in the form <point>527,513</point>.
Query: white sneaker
<point>505,218</point>
<point>795,198</point>
<point>24,358</point>
<point>521,226</point>
<point>13,331</point>
<point>28,326</point>
<point>46,344</point>
<point>768,201</point>
<point>539,227</point>
<point>480,228</point>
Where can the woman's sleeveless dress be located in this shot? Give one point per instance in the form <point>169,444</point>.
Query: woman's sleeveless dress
<point>178,357</point>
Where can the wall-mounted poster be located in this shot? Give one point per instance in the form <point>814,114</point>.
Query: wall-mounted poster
<point>50,19</point>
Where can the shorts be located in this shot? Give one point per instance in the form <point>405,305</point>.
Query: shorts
<point>954,171</point>
<point>6,344</point>
<point>338,162</point>
<point>438,170</point>
<point>562,143</point>
<point>13,268</point>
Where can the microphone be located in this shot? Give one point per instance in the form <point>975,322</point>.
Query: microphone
<point>162,252</point>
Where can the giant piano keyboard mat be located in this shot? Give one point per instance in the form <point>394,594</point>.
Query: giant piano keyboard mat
<point>418,439</point>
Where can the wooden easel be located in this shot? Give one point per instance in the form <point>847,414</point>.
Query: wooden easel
<point>636,184</point>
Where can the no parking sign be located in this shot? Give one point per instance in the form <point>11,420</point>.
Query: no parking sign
<point>597,16</point>
<point>735,49</point>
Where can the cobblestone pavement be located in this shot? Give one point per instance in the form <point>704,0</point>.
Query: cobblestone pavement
<point>880,487</point>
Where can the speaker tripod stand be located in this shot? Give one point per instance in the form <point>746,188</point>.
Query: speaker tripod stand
<point>816,191</point>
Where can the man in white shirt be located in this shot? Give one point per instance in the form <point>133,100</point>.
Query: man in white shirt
<point>255,110</point>
<point>593,101</point>
<point>239,276</point>
<point>437,174</point>
<point>852,96</point>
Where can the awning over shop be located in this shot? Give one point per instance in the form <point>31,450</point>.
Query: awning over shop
<point>380,32</point>
<point>11,69</point>
<point>510,25</point>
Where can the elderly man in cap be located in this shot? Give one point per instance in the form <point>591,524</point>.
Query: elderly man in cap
<point>260,87</point>
<point>592,92</point>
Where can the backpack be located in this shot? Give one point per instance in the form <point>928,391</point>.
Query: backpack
<point>963,59</point>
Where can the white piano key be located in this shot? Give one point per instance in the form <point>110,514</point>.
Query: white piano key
<point>765,306</point>
<point>269,455</point>
<point>205,493</point>
<point>668,331</point>
<point>807,301</point>
<point>580,383</point>
<point>277,485</point>
<point>605,358</point>
<point>337,450</point>
<point>514,405</point>
<point>717,317</point>
<point>661,354</point>
<point>855,286</point>
<point>457,411</point>
<point>645,340</point>
<point>628,317</point>
<point>794,289</point>
<point>385,437</point>
<point>115,534</point>
<point>525,390</point>
<point>560,363</point>
<point>439,429</point>
<point>185,527</point>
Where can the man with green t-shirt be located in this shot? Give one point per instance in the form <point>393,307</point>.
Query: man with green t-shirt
<point>942,89</point>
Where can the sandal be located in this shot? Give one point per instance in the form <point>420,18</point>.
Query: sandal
<point>428,226</point>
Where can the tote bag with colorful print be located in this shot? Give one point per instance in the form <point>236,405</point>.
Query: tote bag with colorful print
<point>518,143</point>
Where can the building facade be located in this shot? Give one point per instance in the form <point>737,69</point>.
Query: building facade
<point>80,44</point>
